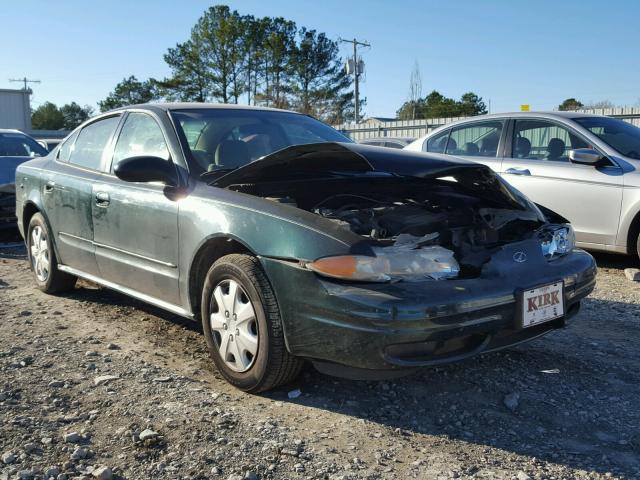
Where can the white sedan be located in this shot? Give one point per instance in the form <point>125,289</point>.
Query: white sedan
<point>584,167</point>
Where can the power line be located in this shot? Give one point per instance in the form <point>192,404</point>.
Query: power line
<point>24,80</point>
<point>356,72</point>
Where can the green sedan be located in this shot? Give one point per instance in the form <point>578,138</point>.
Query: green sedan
<point>291,243</point>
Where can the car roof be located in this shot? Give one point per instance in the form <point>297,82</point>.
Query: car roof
<point>543,114</point>
<point>402,139</point>
<point>500,116</point>
<point>10,130</point>
<point>167,106</point>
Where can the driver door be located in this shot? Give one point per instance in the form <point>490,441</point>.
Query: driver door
<point>136,224</point>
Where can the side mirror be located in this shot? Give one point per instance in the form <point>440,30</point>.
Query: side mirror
<point>585,156</point>
<point>146,169</point>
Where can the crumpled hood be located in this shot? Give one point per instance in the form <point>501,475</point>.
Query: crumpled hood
<point>8,167</point>
<point>301,161</point>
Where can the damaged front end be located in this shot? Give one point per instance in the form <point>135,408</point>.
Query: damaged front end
<point>429,259</point>
<point>412,219</point>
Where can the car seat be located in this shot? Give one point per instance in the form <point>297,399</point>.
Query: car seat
<point>231,154</point>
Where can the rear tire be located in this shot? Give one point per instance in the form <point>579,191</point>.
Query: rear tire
<point>243,328</point>
<point>42,258</point>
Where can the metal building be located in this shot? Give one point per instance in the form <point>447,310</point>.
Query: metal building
<point>15,109</point>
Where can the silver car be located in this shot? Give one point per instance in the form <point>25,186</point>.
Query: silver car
<point>583,167</point>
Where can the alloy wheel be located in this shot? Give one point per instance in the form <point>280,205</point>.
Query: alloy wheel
<point>39,249</point>
<point>234,325</point>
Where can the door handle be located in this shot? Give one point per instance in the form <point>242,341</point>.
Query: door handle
<point>518,171</point>
<point>102,199</point>
<point>49,186</point>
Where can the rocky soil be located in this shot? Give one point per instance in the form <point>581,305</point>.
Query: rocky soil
<point>96,385</point>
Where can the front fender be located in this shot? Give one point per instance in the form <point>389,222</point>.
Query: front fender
<point>629,218</point>
<point>265,228</point>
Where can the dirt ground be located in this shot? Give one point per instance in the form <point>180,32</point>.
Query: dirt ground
<point>94,384</point>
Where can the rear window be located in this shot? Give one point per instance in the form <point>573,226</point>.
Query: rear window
<point>91,142</point>
<point>479,139</point>
<point>437,143</point>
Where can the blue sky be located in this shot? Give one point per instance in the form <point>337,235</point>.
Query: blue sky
<point>509,52</point>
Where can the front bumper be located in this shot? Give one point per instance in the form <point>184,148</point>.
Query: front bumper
<point>404,325</point>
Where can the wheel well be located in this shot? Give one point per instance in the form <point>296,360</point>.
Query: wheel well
<point>208,253</point>
<point>634,231</point>
<point>28,211</point>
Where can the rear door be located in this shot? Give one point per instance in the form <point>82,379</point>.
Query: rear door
<point>537,163</point>
<point>68,192</point>
<point>136,224</point>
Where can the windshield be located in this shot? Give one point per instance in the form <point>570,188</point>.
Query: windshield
<point>223,139</point>
<point>16,144</point>
<point>622,136</point>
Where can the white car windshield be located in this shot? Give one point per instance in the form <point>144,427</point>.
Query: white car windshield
<point>622,136</point>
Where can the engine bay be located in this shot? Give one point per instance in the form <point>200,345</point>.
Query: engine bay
<point>465,216</point>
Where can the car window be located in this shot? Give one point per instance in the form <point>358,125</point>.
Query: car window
<point>622,136</point>
<point>65,149</point>
<point>393,145</point>
<point>437,143</point>
<point>221,138</point>
<point>479,139</point>
<point>140,136</point>
<point>16,144</point>
<point>543,140</point>
<point>91,142</point>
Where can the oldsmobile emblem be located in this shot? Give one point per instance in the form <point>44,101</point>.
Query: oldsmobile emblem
<point>520,257</point>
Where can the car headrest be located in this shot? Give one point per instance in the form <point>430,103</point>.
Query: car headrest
<point>489,145</point>
<point>471,148</point>
<point>523,147</point>
<point>555,148</point>
<point>232,154</point>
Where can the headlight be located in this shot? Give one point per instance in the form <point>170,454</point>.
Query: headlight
<point>557,240</point>
<point>390,263</point>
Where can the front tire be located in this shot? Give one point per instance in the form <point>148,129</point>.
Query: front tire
<point>42,258</point>
<point>242,326</point>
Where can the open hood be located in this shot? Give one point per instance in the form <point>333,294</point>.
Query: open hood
<point>320,159</point>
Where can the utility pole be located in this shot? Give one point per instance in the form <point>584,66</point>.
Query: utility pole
<point>24,80</point>
<point>356,72</point>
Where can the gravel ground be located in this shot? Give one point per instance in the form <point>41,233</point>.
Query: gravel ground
<point>96,385</point>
